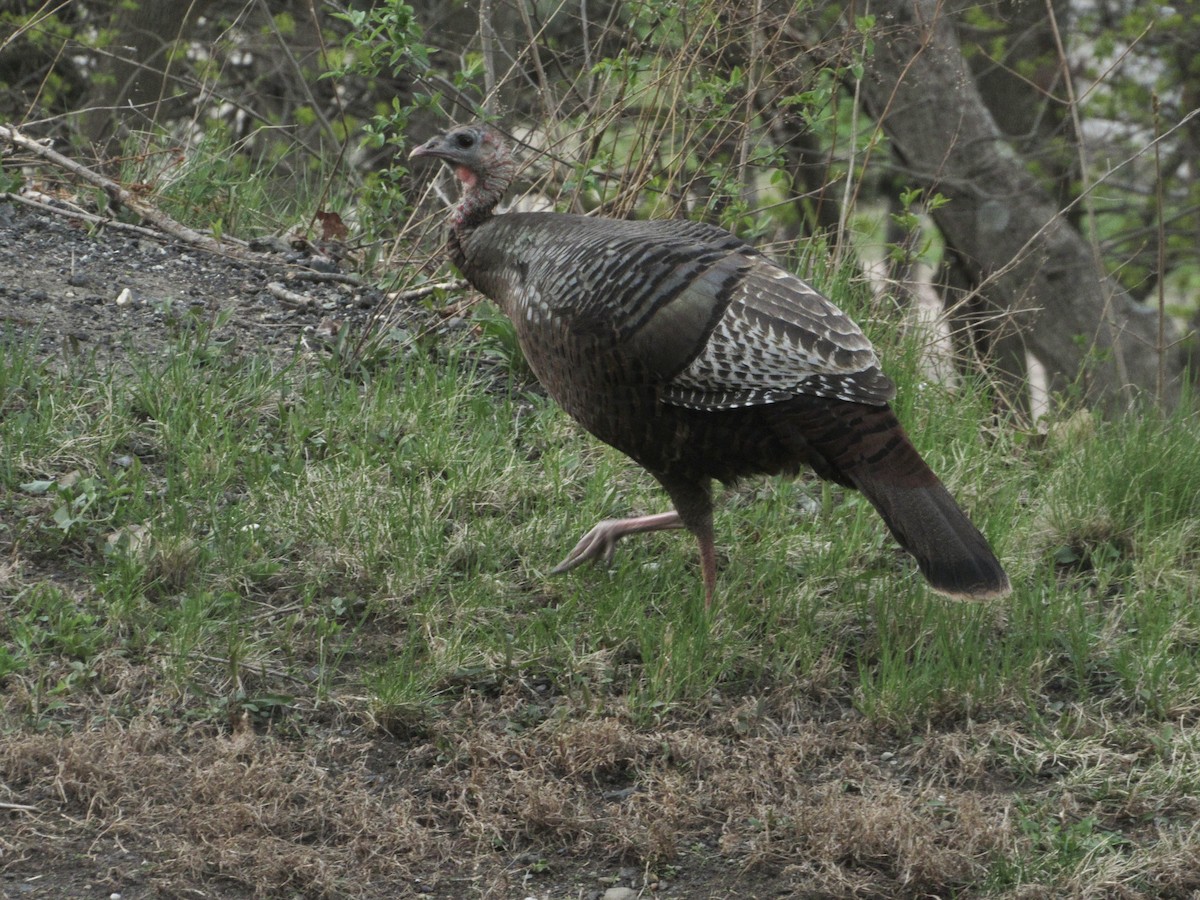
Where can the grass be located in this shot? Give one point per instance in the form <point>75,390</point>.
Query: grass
<point>216,546</point>
<point>325,579</point>
<point>284,627</point>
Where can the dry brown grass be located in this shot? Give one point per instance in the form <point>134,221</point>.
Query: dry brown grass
<point>343,812</point>
<point>752,797</point>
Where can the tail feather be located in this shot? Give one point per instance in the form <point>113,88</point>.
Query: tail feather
<point>867,448</point>
<point>950,551</point>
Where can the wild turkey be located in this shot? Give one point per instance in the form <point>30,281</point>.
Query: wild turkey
<point>684,347</point>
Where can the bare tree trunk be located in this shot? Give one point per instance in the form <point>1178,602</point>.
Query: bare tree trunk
<point>1040,285</point>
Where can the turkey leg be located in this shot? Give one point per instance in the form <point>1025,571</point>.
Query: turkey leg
<point>693,498</point>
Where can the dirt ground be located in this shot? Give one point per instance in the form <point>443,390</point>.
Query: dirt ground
<point>112,293</point>
<point>754,798</point>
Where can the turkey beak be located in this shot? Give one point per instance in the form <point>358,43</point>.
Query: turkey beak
<point>431,148</point>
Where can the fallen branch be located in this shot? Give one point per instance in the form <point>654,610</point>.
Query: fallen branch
<point>74,212</point>
<point>18,807</point>
<point>295,270</point>
<point>302,274</point>
<point>120,196</point>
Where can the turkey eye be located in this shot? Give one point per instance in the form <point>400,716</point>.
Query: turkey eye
<point>464,140</point>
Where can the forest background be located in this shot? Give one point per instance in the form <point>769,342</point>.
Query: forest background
<point>1039,157</point>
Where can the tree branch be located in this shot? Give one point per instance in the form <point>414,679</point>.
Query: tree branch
<point>119,196</point>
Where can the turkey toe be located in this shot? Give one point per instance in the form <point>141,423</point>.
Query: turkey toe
<point>600,544</point>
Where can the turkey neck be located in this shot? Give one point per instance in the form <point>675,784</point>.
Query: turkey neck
<point>481,193</point>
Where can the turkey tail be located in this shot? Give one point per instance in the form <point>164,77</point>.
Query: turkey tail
<point>951,553</point>
<point>867,448</point>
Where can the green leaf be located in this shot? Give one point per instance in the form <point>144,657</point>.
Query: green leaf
<point>63,518</point>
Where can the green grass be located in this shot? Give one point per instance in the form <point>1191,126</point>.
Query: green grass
<point>276,542</point>
<point>234,187</point>
<point>210,491</point>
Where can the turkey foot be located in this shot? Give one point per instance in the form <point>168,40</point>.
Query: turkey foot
<point>601,542</point>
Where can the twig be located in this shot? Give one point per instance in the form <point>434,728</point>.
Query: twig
<point>487,48</point>
<point>121,196</point>
<point>1160,257</point>
<point>290,298</point>
<point>336,277</point>
<point>258,667</point>
<point>296,271</point>
<point>74,212</point>
<point>543,84</point>
<point>1089,208</point>
<point>18,807</point>
<point>585,42</point>
<point>456,284</point>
